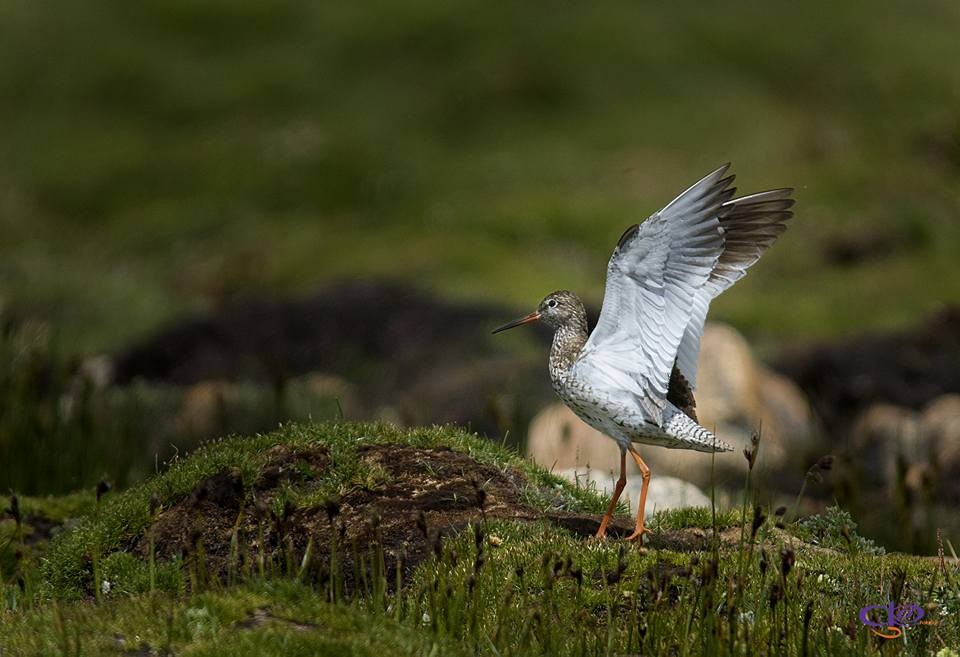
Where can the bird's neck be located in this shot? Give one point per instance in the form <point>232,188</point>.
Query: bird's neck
<point>568,340</point>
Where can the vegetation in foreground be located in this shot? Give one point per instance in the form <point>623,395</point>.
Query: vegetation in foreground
<point>733,582</point>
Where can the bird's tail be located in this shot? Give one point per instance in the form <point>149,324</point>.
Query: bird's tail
<point>690,434</point>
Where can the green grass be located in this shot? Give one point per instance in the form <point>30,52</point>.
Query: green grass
<point>542,591</point>
<point>266,619</point>
<point>160,158</point>
<point>497,588</point>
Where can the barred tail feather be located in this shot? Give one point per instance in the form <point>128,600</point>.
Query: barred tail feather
<point>689,434</point>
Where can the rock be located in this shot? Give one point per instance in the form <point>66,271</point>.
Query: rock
<point>726,378</point>
<point>97,370</point>
<point>204,408</point>
<point>786,419</point>
<point>926,446</point>
<point>736,395</point>
<point>663,493</point>
<point>940,422</point>
<point>881,433</point>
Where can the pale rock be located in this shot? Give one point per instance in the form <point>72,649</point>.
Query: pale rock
<point>726,378</point>
<point>736,396</point>
<point>203,408</point>
<point>881,434</point>
<point>98,371</point>
<point>786,418</point>
<point>663,492</point>
<point>940,422</point>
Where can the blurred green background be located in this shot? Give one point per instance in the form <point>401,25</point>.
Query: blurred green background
<point>158,157</point>
<point>162,159</point>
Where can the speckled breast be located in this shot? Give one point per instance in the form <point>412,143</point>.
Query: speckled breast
<point>602,416</point>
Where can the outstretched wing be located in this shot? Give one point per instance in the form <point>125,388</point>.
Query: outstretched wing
<point>750,224</point>
<point>653,278</point>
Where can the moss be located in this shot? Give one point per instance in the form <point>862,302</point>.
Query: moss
<point>694,517</point>
<point>835,529</point>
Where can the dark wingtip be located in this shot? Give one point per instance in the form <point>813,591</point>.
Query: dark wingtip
<point>628,235</point>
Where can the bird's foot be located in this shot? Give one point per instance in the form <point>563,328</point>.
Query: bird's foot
<point>637,535</point>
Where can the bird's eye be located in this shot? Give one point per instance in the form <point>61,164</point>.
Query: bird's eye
<point>552,303</point>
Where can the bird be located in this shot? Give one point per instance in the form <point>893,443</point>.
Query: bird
<point>633,377</point>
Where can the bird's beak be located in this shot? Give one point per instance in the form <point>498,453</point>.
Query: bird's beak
<point>532,317</point>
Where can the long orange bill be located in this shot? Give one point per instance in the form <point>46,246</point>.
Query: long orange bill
<point>532,317</point>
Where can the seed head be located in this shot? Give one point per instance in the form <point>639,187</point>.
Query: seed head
<point>481,495</point>
<point>750,453</point>
<point>332,506</point>
<point>758,518</point>
<point>577,574</point>
<point>14,510</point>
<point>103,487</point>
<point>845,532</point>
<point>776,594</point>
<point>787,559</point>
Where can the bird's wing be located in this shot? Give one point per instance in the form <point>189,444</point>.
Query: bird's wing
<point>750,225</point>
<point>652,279</point>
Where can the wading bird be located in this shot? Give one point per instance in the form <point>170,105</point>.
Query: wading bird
<point>633,378</point>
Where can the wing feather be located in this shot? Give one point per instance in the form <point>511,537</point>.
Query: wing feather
<point>653,278</point>
<point>751,224</point>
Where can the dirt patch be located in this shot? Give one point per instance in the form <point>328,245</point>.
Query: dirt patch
<point>438,486</point>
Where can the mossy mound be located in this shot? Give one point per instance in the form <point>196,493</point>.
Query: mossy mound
<point>239,505</point>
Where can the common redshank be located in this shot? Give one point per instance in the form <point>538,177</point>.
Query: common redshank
<point>633,378</point>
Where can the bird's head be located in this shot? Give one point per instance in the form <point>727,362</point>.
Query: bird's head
<point>557,309</point>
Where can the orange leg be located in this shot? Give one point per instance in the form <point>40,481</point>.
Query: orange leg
<point>645,473</point>
<point>621,482</point>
